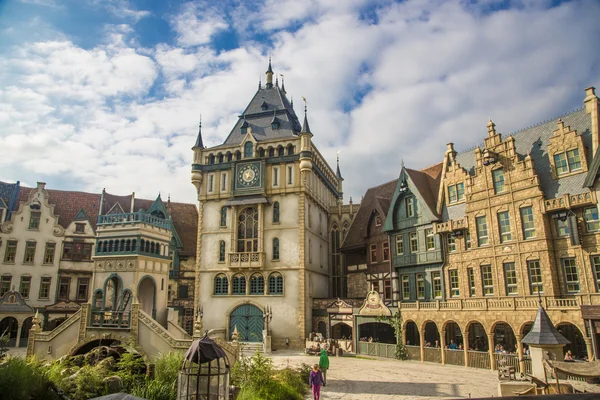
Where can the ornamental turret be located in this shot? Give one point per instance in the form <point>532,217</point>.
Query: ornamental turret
<point>305,147</point>
<point>269,76</point>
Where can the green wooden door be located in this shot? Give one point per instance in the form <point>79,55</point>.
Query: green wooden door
<point>249,322</point>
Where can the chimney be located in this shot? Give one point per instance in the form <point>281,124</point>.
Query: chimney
<point>41,185</point>
<point>592,107</point>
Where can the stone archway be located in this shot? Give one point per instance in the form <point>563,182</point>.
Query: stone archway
<point>504,338</point>
<point>248,319</point>
<point>147,295</point>
<point>27,324</point>
<point>412,334</point>
<point>341,330</point>
<point>574,335</point>
<point>453,336</point>
<point>322,328</point>
<point>10,326</point>
<point>476,337</point>
<point>431,334</point>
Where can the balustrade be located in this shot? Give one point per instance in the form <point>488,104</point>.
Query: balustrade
<point>504,303</point>
<point>246,259</point>
<point>110,319</point>
<point>134,218</point>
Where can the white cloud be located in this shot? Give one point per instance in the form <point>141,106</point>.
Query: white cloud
<point>398,84</point>
<point>47,3</point>
<point>120,9</point>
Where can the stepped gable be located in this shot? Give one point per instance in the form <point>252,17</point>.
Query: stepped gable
<point>67,204</point>
<point>378,197</point>
<point>427,182</point>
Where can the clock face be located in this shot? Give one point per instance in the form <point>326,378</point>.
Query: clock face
<point>248,175</point>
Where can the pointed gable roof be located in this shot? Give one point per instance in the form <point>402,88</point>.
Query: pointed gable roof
<point>9,197</point>
<point>81,216</point>
<point>543,331</point>
<point>376,198</point>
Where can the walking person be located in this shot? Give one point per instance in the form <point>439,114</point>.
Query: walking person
<point>324,365</point>
<point>316,380</point>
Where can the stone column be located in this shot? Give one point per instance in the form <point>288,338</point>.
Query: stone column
<point>588,347</point>
<point>18,338</point>
<point>465,333</point>
<point>422,343</point>
<point>443,345</point>
<point>519,338</point>
<point>490,337</point>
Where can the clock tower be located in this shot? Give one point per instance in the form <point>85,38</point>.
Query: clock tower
<point>264,198</point>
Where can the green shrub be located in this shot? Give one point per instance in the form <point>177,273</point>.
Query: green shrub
<point>293,379</point>
<point>272,390</point>
<point>87,384</point>
<point>20,380</point>
<point>304,372</point>
<point>131,368</point>
<point>167,367</point>
<point>155,390</point>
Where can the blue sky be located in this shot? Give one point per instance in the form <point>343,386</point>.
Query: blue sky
<point>107,93</point>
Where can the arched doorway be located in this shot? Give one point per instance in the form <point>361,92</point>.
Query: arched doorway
<point>249,322</point>
<point>432,335</point>
<point>147,295</point>
<point>573,334</point>
<point>478,340</point>
<point>322,328</point>
<point>9,326</point>
<point>453,336</point>
<point>27,324</point>
<point>504,338</point>
<point>412,334</point>
<point>377,332</point>
<point>341,331</point>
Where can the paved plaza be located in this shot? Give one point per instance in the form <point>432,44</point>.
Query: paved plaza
<point>354,378</point>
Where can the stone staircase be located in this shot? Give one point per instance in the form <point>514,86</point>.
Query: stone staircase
<point>248,349</point>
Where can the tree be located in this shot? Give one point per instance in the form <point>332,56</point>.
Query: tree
<point>395,321</point>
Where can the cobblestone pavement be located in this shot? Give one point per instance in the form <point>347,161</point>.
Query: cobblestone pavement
<point>354,378</point>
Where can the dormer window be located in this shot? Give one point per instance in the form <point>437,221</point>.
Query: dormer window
<point>377,220</point>
<point>275,124</point>
<point>79,227</point>
<point>567,162</point>
<point>264,106</point>
<point>244,127</point>
<point>409,204</point>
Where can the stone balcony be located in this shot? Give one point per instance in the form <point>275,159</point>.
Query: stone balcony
<point>134,218</point>
<point>253,259</point>
<point>569,201</point>
<point>451,225</point>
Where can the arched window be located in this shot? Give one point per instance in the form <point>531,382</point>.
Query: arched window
<point>248,150</point>
<point>271,152</point>
<point>222,251</point>
<point>238,155</point>
<point>275,283</point>
<point>280,151</point>
<point>276,212</point>
<point>248,230</point>
<point>221,284</point>
<point>224,216</point>
<point>261,152</point>
<point>211,159</point>
<point>98,297</point>
<point>128,245</point>
<point>110,246</point>
<point>275,248</point>
<point>238,285</point>
<point>257,284</point>
<point>290,150</point>
<point>229,157</point>
<point>220,158</point>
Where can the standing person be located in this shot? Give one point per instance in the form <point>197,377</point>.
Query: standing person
<point>316,380</point>
<point>324,365</point>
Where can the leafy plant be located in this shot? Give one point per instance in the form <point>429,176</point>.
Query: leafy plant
<point>155,390</point>
<point>20,380</point>
<point>87,384</point>
<point>131,368</point>
<point>395,321</point>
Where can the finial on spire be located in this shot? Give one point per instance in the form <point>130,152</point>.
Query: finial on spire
<point>282,84</point>
<point>259,83</point>
<point>292,102</point>
<point>491,128</point>
<point>337,172</point>
<point>199,143</point>
<point>269,73</point>
<point>305,126</point>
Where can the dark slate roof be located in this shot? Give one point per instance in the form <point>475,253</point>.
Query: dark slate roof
<point>379,198</point>
<point>535,140</point>
<point>260,120</point>
<point>199,143</point>
<point>593,170</point>
<point>9,195</point>
<point>543,331</point>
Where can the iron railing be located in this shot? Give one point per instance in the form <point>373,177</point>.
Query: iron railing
<point>110,319</point>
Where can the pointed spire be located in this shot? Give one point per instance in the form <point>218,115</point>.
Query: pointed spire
<point>259,83</point>
<point>199,143</point>
<point>276,81</point>
<point>292,102</point>
<point>305,127</point>
<point>282,84</point>
<point>270,69</point>
<point>269,73</point>
<point>543,331</point>
<point>337,172</point>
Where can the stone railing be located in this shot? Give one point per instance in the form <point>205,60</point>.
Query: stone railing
<point>570,201</point>
<point>47,336</point>
<point>110,319</point>
<point>504,303</point>
<point>153,325</point>
<point>134,218</point>
<point>247,260</point>
<point>451,225</point>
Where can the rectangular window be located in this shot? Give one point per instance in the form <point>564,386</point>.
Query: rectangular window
<point>571,275</point>
<point>414,242</point>
<point>5,284</point>
<point>510,278</point>
<point>82,289</point>
<point>77,251</point>
<point>527,222</point>
<point>468,240</point>
<point>223,182</point>
<point>482,231</point>
<point>498,179</point>
<point>211,183</point>
<point>182,292</point>
<point>45,288</point>
<point>454,289</point>
<point>460,191</point>
<point>25,286</point>
<point>373,253</point>
<point>375,285</point>
<point>591,219</point>
<point>420,286</point>
<point>310,251</point>
<point>451,243</point>
<point>11,251</point>
<point>452,196</point>
<point>562,227</point>
<point>275,176</point>
<point>573,159</point>
<point>596,266</point>
<point>49,253</point>
<point>437,284</point>
<point>560,162</point>
<point>504,225</point>
<point>487,280</point>
<point>309,216</point>
<point>79,227</point>
<point>34,220</point>
<point>409,203</point>
<point>429,239</point>
<point>567,162</point>
<point>290,175</point>
<point>405,288</point>
<point>276,249</point>
<point>63,288</point>
<point>387,289</point>
<point>386,251</point>
<point>471,275</point>
<point>399,245</point>
<point>535,276</point>
<point>29,253</point>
